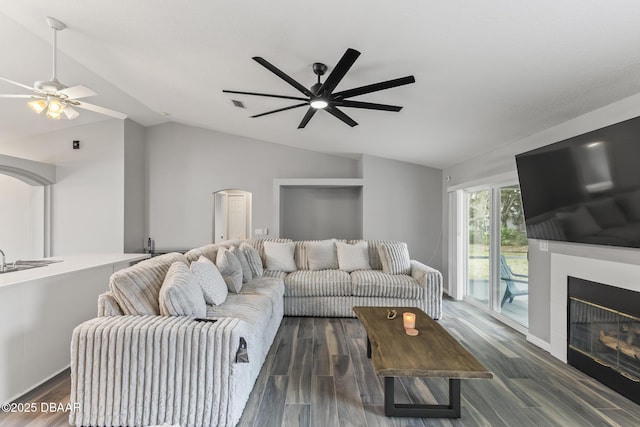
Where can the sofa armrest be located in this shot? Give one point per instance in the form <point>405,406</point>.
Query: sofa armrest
<point>431,280</point>
<point>142,370</point>
<point>108,305</point>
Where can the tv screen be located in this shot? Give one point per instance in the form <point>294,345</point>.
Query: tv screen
<point>585,189</point>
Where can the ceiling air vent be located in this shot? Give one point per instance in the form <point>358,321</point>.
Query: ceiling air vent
<point>237,103</point>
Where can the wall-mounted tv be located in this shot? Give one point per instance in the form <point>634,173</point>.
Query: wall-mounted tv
<point>585,189</point>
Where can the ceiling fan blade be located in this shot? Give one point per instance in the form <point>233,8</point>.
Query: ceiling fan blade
<point>374,87</point>
<point>366,105</point>
<point>17,84</point>
<point>266,94</point>
<point>340,70</point>
<point>18,96</point>
<point>101,110</point>
<point>275,70</point>
<point>310,112</point>
<point>281,109</point>
<point>340,115</point>
<point>77,92</point>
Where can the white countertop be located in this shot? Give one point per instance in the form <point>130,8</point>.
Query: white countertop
<point>70,263</point>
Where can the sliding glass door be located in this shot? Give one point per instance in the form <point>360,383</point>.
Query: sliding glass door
<point>496,252</point>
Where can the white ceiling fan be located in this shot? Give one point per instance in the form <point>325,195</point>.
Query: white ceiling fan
<point>55,98</point>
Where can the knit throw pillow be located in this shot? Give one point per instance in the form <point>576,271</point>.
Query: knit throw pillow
<point>353,257</point>
<point>180,294</point>
<point>210,280</point>
<point>253,258</point>
<point>279,256</point>
<point>231,270</point>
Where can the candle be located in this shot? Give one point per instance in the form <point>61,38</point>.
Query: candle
<point>409,320</point>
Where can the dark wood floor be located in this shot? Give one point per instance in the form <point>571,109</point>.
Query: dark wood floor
<point>317,374</point>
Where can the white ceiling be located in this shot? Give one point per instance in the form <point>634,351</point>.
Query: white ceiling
<point>488,73</point>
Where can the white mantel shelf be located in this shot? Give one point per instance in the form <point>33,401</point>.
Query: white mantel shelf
<point>40,307</point>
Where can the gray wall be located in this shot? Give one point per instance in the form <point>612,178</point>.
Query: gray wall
<point>501,162</point>
<point>403,201</point>
<point>186,165</point>
<point>320,213</point>
<point>134,187</point>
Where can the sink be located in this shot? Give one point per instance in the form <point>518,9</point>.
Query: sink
<point>21,265</point>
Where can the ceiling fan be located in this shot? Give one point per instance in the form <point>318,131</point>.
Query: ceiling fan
<point>321,96</point>
<point>57,99</point>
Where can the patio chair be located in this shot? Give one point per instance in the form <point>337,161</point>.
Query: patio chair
<point>517,284</point>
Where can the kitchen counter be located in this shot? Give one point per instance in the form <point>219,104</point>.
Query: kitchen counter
<point>68,264</point>
<point>40,307</point>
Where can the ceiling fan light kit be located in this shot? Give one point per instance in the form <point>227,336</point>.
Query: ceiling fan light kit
<point>321,96</point>
<point>55,98</point>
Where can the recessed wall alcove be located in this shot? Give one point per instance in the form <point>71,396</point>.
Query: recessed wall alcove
<point>308,209</point>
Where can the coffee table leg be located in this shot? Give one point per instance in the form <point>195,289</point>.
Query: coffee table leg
<point>368,347</point>
<point>392,409</point>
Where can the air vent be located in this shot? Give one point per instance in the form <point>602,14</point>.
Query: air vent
<point>237,103</point>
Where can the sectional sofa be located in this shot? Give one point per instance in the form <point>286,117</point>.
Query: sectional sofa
<point>181,342</point>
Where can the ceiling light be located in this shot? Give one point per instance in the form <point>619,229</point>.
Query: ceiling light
<point>319,103</point>
<point>54,115</point>
<point>38,105</point>
<point>70,112</point>
<point>55,106</point>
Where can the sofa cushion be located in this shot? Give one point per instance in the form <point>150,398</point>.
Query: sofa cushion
<point>210,251</point>
<point>376,283</point>
<point>353,257</point>
<point>309,283</point>
<point>279,256</point>
<point>230,269</point>
<point>253,258</point>
<point>244,264</point>
<point>181,294</point>
<point>108,305</point>
<point>213,286</point>
<point>394,258</point>
<point>275,274</point>
<point>137,288</point>
<point>253,308</point>
<point>322,255</point>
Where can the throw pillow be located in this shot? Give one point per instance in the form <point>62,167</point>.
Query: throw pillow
<point>253,258</point>
<point>353,257</point>
<point>230,269</point>
<point>394,257</point>
<point>279,256</point>
<point>322,255</point>
<point>246,270</point>
<point>180,294</point>
<point>210,280</point>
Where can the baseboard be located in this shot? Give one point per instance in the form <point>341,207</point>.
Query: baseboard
<point>539,342</point>
<point>38,384</point>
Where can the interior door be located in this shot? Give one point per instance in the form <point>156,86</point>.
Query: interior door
<point>236,216</point>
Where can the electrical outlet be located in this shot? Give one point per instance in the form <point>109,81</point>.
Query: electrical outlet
<point>544,245</point>
<point>76,145</point>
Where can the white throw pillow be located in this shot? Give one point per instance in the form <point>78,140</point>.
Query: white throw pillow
<point>253,258</point>
<point>322,255</point>
<point>210,280</point>
<point>353,257</point>
<point>230,269</point>
<point>394,257</point>
<point>246,270</point>
<point>180,294</point>
<point>279,256</point>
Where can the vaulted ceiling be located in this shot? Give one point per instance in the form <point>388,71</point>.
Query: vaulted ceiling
<point>488,73</point>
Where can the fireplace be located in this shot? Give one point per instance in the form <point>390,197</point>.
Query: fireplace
<point>603,331</point>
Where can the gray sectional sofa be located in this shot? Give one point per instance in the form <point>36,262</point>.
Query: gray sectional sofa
<point>145,360</point>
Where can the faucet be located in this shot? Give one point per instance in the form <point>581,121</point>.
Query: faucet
<point>3,265</point>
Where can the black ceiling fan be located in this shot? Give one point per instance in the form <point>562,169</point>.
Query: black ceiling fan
<point>320,96</point>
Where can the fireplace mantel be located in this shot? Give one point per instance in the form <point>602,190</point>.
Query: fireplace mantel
<point>625,276</point>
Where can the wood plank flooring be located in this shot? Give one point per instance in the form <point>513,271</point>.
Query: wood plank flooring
<point>317,374</point>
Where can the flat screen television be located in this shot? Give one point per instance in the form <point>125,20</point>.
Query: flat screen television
<point>585,189</point>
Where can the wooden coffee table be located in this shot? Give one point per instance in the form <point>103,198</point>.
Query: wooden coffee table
<point>432,353</point>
